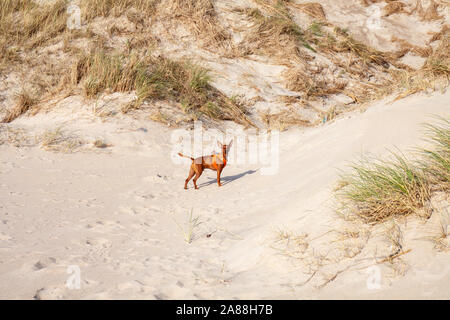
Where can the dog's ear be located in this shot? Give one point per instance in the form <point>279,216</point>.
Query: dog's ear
<point>219,144</point>
<point>229,145</point>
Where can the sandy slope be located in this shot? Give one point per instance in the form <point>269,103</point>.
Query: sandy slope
<point>116,215</point>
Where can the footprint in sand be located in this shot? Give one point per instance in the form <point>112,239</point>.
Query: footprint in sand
<point>3,236</point>
<point>104,226</point>
<point>145,197</point>
<point>157,178</point>
<point>44,263</point>
<point>138,210</point>
<point>52,293</point>
<point>98,250</point>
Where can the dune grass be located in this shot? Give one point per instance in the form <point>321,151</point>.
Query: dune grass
<point>437,157</point>
<point>24,101</point>
<point>155,78</point>
<point>376,190</point>
<point>27,24</point>
<point>103,8</point>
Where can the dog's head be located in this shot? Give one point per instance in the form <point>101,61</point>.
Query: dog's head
<point>225,147</point>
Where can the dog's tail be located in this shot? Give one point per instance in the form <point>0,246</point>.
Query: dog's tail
<point>182,155</point>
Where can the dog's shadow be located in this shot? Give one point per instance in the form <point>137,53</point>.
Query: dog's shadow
<point>228,179</point>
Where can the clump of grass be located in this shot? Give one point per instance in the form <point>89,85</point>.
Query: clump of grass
<point>283,120</point>
<point>56,140</point>
<point>25,100</point>
<point>274,32</point>
<point>155,78</point>
<point>29,24</point>
<point>100,144</point>
<point>438,63</point>
<point>376,190</point>
<point>428,14</point>
<point>201,18</point>
<point>312,85</point>
<point>405,47</point>
<point>191,225</point>
<point>437,157</point>
<point>103,8</point>
<point>393,7</point>
<point>312,9</point>
<point>367,54</point>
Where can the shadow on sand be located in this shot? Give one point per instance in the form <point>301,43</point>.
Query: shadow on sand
<point>226,180</point>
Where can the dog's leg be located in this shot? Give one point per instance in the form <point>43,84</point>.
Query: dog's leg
<point>198,173</point>
<point>191,174</point>
<point>219,172</point>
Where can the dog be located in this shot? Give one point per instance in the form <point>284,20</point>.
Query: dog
<point>215,162</point>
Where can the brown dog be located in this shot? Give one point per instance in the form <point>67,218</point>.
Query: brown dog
<point>214,162</point>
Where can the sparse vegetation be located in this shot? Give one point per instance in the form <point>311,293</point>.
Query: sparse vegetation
<point>321,60</point>
<point>191,224</point>
<point>92,9</point>
<point>376,190</point>
<point>58,141</point>
<point>201,18</point>
<point>437,158</point>
<point>283,120</point>
<point>155,78</point>
<point>25,23</point>
<point>25,100</point>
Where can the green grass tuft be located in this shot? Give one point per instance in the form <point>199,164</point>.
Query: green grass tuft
<point>437,157</point>
<point>376,190</point>
<point>155,78</point>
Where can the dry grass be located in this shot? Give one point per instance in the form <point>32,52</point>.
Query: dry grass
<point>274,33</point>
<point>155,78</point>
<point>16,137</point>
<point>442,239</point>
<point>313,9</point>
<point>27,24</point>
<point>92,9</point>
<point>57,140</point>
<point>405,47</point>
<point>283,120</point>
<point>29,28</point>
<point>25,100</point>
<point>366,53</point>
<point>435,73</point>
<point>393,7</point>
<point>312,85</point>
<point>438,62</point>
<point>428,14</point>
<point>201,18</point>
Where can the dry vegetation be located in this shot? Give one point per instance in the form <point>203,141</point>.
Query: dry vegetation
<point>376,190</point>
<point>201,19</point>
<point>24,102</point>
<point>322,60</point>
<point>155,78</point>
<point>361,69</point>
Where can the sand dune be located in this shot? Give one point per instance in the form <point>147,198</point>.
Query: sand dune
<point>118,213</point>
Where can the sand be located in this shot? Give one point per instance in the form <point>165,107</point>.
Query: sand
<point>116,216</point>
